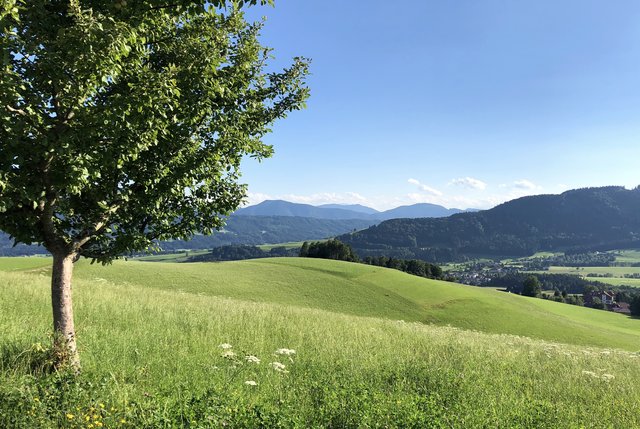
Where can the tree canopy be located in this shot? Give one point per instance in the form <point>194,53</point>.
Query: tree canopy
<point>125,122</point>
<point>531,286</point>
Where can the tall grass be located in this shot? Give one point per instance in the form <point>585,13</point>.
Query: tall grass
<point>363,290</point>
<point>152,358</point>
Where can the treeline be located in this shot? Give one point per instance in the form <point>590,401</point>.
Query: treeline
<point>573,260</point>
<point>513,282</point>
<point>533,287</point>
<point>240,252</point>
<point>335,249</point>
<point>330,249</point>
<point>411,266</point>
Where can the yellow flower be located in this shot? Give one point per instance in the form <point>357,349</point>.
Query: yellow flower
<point>87,418</point>
<point>101,405</point>
<point>99,424</point>
<point>70,416</point>
<point>123,421</point>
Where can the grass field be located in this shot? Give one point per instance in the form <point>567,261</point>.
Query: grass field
<point>583,271</point>
<point>364,290</point>
<point>289,245</point>
<point>24,263</point>
<point>149,335</point>
<point>616,281</point>
<point>628,256</point>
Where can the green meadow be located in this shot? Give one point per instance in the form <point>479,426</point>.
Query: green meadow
<point>24,263</point>
<point>628,256</point>
<point>373,348</point>
<point>616,281</point>
<point>288,245</point>
<point>583,271</point>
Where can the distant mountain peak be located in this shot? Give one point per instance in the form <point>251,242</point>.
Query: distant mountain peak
<point>344,211</point>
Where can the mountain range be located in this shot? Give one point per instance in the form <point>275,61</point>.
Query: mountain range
<point>338,211</point>
<point>575,221</point>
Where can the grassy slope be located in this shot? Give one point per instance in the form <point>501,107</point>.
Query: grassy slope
<point>378,292</point>
<point>24,263</point>
<point>151,354</point>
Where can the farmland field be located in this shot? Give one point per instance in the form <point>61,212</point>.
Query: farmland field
<point>23,263</point>
<point>289,245</point>
<point>616,281</point>
<point>628,256</point>
<point>583,271</point>
<point>150,337</point>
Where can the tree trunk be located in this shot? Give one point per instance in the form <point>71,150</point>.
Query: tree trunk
<point>64,341</point>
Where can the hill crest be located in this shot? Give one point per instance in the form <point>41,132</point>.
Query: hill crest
<point>578,220</point>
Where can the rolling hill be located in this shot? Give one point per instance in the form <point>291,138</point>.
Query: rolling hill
<point>363,290</point>
<point>574,221</point>
<point>308,343</point>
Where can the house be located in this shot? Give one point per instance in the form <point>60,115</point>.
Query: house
<point>621,307</point>
<point>607,298</point>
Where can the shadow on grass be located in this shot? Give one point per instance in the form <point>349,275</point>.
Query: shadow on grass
<point>27,359</point>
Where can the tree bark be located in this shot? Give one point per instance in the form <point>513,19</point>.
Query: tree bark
<point>64,340</point>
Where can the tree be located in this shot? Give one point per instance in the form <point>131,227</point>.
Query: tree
<point>597,303</point>
<point>304,250</point>
<point>634,305</point>
<point>122,123</point>
<point>531,286</point>
<point>331,249</point>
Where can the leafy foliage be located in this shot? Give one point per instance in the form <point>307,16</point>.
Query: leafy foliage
<point>330,249</point>
<point>238,253</point>
<point>562,282</point>
<point>531,286</point>
<point>635,305</point>
<point>122,122</point>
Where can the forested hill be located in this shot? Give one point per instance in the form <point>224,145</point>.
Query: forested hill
<point>249,230</point>
<point>577,220</point>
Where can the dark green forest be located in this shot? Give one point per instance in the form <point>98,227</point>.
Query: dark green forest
<point>578,221</point>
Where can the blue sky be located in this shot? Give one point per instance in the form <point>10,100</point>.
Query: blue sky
<point>465,104</point>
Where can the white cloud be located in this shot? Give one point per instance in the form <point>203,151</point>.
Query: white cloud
<point>469,182</point>
<point>256,198</point>
<point>526,185</point>
<point>425,188</point>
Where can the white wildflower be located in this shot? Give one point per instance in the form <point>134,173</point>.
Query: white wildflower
<point>225,346</point>
<point>252,359</point>
<point>229,354</point>
<point>250,383</point>
<point>280,367</point>
<point>286,352</point>
<point>608,377</point>
<point>590,373</point>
